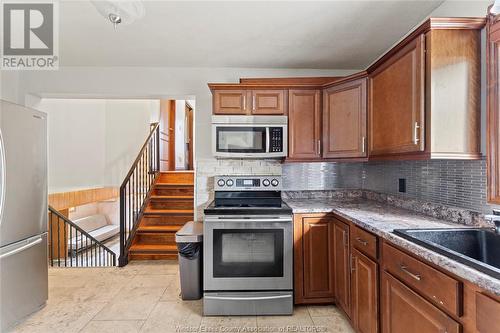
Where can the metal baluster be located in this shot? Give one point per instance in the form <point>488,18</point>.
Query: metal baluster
<point>65,246</point>
<point>86,250</point>
<point>81,245</point>
<point>76,247</point>
<point>71,245</point>
<point>58,243</point>
<point>51,240</point>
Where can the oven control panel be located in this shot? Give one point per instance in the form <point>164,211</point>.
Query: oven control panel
<point>248,183</point>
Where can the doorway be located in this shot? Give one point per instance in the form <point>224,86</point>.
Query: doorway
<point>176,135</point>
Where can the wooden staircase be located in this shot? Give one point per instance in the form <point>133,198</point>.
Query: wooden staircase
<point>169,207</point>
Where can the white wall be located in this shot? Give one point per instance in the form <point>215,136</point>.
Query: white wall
<point>93,142</point>
<point>458,8</point>
<point>76,131</point>
<point>127,127</point>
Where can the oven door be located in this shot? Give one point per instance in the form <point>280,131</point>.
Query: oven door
<point>248,253</point>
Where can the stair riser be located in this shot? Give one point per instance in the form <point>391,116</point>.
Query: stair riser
<point>171,204</point>
<point>157,256</point>
<point>173,191</point>
<point>155,238</point>
<point>176,177</point>
<point>166,220</point>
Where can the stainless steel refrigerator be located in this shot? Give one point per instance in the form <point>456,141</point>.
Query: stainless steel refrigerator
<point>23,212</point>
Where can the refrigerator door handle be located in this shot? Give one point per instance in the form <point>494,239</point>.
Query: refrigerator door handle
<point>2,176</point>
<point>22,248</point>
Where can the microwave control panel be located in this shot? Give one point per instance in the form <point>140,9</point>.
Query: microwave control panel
<point>276,139</point>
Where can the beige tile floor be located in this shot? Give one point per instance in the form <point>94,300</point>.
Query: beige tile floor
<point>144,297</point>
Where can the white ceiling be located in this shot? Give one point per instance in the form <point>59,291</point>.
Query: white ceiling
<point>258,34</point>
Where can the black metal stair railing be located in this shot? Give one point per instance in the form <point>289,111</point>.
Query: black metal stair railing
<point>71,246</point>
<point>135,190</point>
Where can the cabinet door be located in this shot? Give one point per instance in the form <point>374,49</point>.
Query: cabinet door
<point>304,124</point>
<point>268,102</point>
<point>397,102</point>
<point>364,283</point>
<point>493,122</point>
<point>230,102</point>
<point>342,267</point>
<point>318,250</point>
<point>344,120</point>
<point>405,311</point>
<point>487,312</point>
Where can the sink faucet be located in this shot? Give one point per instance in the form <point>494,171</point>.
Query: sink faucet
<point>495,219</point>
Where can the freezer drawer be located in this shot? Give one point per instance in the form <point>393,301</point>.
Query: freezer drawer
<point>23,279</point>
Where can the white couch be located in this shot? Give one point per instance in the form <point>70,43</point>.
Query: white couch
<point>97,226</point>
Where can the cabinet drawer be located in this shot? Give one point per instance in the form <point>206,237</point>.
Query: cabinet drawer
<point>364,242</point>
<point>439,288</point>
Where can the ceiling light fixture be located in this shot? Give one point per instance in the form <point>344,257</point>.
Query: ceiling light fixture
<point>120,12</point>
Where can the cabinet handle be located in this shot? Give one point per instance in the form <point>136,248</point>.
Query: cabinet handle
<point>353,263</point>
<point>244,102</point>
<point>363,144</point>
<point>415,138</point>
<point>414,276</point>
<point>319,147</point>
<point>365,243</point>
<point>253,102</point>
<point>437,300</point>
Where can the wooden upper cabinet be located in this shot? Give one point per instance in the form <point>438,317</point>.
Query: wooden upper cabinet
<point>230,102</point>
<point>397,102</point>
<point>424,94</point>
<point>364,285</point>
<point>304,124</point>
<point>313,259</point>
<point>405,311</point>
<point>344,120</point>
<point>270,102</point>
<point>493,122</point>
<point>342,267</point>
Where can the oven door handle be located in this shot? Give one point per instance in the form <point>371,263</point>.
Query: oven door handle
<point>250,220</point>
<point>256,298</point>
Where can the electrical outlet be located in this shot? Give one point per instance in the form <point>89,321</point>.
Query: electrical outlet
<point>402,185</point>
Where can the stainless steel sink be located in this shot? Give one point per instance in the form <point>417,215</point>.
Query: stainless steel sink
<point>478,248</point>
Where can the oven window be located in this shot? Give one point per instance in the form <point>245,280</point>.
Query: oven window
<point>248,253</point>
<point>241,139</point>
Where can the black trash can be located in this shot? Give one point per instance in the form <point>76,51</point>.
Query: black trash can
<point>189,241</point>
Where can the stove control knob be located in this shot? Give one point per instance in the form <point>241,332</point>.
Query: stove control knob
<point>229,182</point>
<point>266,182</point>
<point>274,182</point>
<point>221,182</point>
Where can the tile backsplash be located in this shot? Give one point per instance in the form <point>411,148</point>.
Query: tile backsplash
<point>456,183</point>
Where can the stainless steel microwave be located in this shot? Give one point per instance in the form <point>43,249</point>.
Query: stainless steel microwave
<point>250,136</point>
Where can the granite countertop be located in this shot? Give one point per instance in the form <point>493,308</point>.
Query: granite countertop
<point>381,219</point>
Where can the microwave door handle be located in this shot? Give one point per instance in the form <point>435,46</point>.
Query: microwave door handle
<point>268,140</point>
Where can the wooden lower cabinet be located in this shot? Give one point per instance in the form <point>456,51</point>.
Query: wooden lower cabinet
<point>364,290</point>
<point>403,310</point>
<point>342,267</point>
<point>313,259</point>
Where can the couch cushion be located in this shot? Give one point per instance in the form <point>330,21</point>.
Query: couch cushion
<point>92,222</point>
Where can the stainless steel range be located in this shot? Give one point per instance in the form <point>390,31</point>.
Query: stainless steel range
<point>248,248</point>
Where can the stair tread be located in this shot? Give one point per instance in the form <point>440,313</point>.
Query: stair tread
<point>159,228</point>
<point>174,184</point>
<point>176,171</point>
<point>152,247</point>
<point>172,197</point>
<point>150,211</point>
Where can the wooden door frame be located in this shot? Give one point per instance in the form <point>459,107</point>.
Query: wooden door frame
<point>190,130</point>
